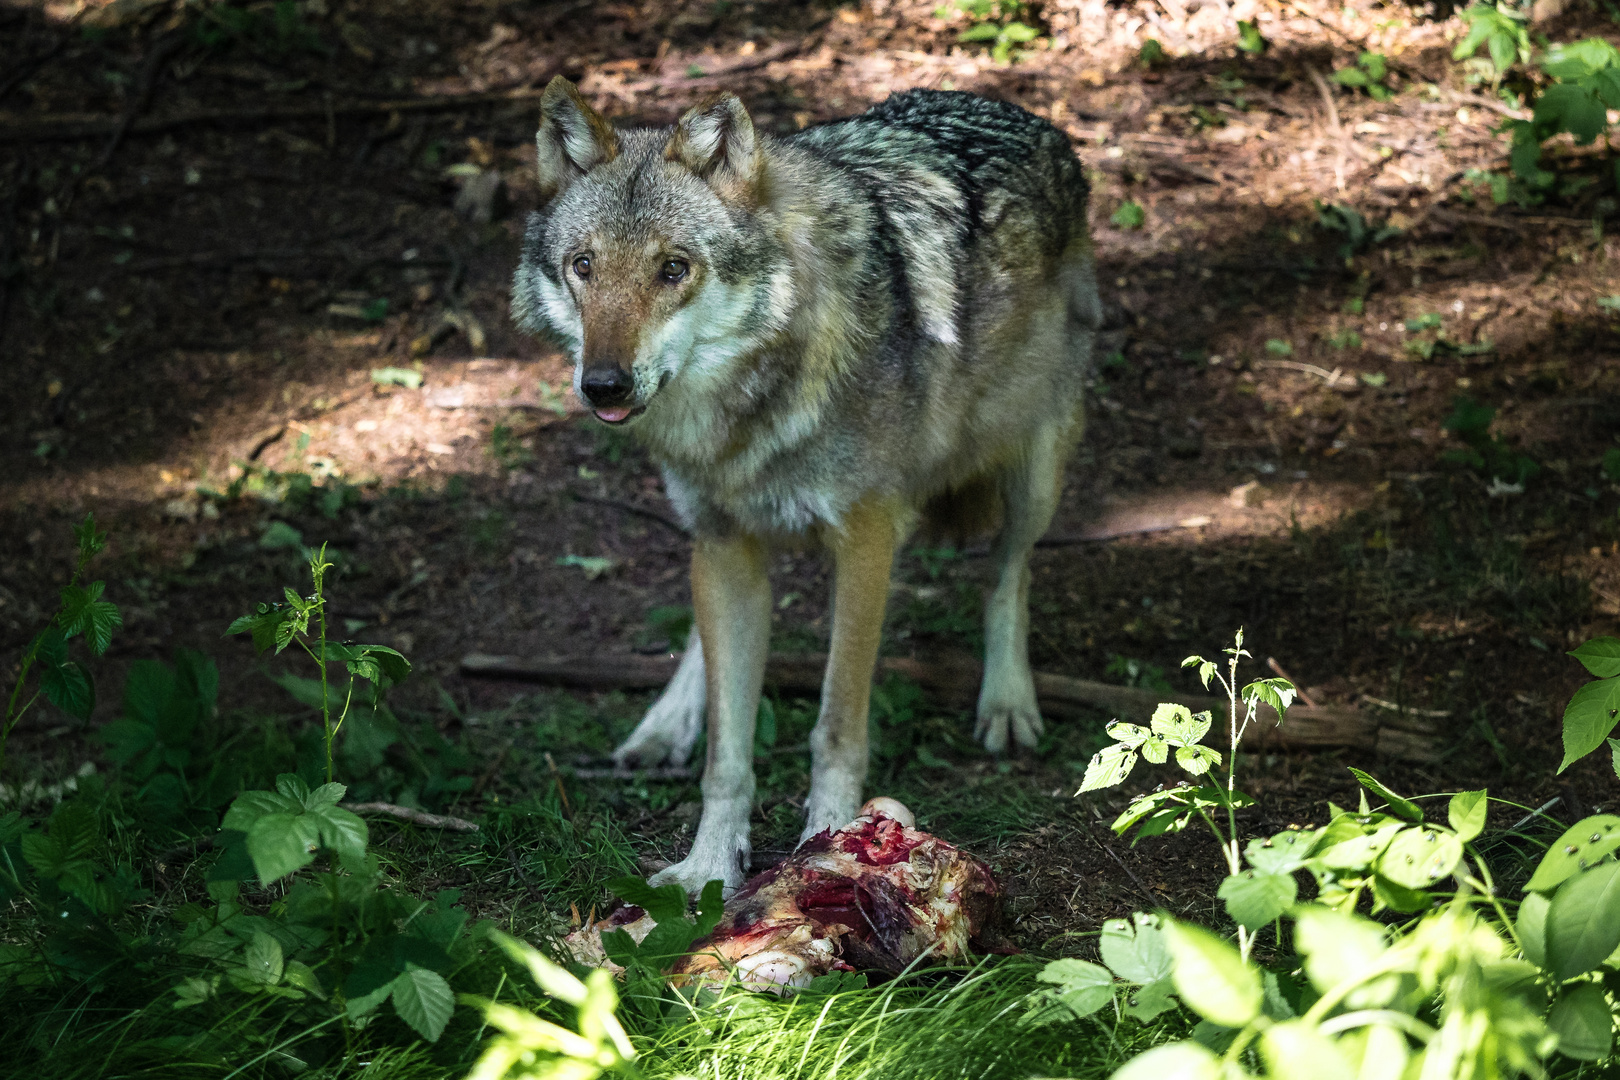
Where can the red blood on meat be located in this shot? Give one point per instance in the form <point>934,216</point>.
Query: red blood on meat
<point>756,883</point>
<point>882,842</point>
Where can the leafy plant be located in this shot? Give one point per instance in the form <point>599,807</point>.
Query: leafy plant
<point>1130,215</point>
<point>1175,727</point>
<point>82,614</point>
<point>1471,421</point>
<point>1595,709</point>
<point>1502,29</point>
<point>1250,39</point>
<point>996,22</point>
<point>1359,233</point>
<point>1368,73</point>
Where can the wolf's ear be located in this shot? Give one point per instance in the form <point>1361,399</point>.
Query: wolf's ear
<point>715,139</point>
<point>573,137</point>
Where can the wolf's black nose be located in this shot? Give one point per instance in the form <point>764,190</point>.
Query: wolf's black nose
<point>607,386</point>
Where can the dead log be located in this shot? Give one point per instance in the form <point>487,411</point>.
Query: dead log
<point>955,683</point>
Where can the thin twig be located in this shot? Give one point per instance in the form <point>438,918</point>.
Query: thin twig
<point>562,792</point>
<point>632,508</point>
<point>1393,707</point>
<point>1334,126</point>
<point>1330,377</point>
<point>1147,892</point>
<point>1271,662</point>
<point>415,817</point>
<point>1540,811</point>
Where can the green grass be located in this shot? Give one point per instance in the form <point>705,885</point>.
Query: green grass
<point>930,1025</point>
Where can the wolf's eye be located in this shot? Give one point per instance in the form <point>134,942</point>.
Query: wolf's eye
<point>582,265</point>
<point>673,271</point>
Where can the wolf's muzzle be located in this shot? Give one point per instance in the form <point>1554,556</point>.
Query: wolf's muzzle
<point>608,391</point>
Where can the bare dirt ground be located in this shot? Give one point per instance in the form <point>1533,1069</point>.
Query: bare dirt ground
<point>217,223</point>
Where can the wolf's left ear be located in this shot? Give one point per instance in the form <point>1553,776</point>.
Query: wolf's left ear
<point>715,139</point>
<point>573,138</point>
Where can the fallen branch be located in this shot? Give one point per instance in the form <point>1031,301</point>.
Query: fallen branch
<point>956,683</point>
<point>415,817</point>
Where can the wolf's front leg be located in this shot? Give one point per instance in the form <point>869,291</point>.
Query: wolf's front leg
<point>732,599</point>
<point>670,729</point>
<point>863,552</point>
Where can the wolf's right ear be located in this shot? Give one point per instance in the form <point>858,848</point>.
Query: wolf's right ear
<point>573,138</point>
<point>715,139</point>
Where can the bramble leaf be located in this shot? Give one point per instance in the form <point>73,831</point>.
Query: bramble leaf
<point>1398,806</point>
<point>1589,718</point>
<point>1466,812</point>
<point>423,1000</point>
<point>1212,978</point>
<point>1255,899</point>
<point>1583,923</point>
<point>1601,656</point>
<point>1108,766</point>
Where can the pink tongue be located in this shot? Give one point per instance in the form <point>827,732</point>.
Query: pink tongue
<point>614,415</point>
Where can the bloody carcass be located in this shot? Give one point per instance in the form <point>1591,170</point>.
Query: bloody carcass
<point>875,895</point>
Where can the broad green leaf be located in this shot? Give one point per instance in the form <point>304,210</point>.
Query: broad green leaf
<point>1466,812</point>
<point>1178,725</point>
<point>1173,1061</point>
<point>1388,894</point>
<point>1341,947</point>
<point>1255,900</point>
<point>1583,1023</point>
<point>1156,750</point>
<point>344,832</point>
<point>1583,922</point>
<point>1583,844</point>
<point>1420,858</point>
<point>325,795</point>
<point>1531,927</point>
<point>303,976</point>
<point>710,908</point>
<point>1197,760</point>
<point>1297,1050</point>
<point>390,662</point>
<point>1590,716</point>
<point>1398,806</point>
<point>1579,59</point>
<point>1085,988</point>
<point>1358,852</point>
<point>667,942</point>
<point>1601,656</point>
<point>1376,1051</point>
<point>1211,977</point>
<point>984,31</point>
<point>44,854</point>
<point>262,961</point>
<point>424,1001</point>
<point>664,903</point>
<point>1130,734</point>
<point>549,976</point>
<point>1108,766</point>
<point>84,612</point>
<point>1136,950</point>
<point>1573,108</point>
<point>250,806</point>
<point>1350,77</point>
<point>280,844</point>
<point>76,828</point>
<point>1146,1002</point>
<point>292,786</point>
<point>1280,854</point>
<point>68,687</point>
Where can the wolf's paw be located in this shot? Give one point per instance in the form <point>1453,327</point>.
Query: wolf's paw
<point>698,869</point>
<point>821,815</point>
<point>997,720</point>
<point>667,733</point>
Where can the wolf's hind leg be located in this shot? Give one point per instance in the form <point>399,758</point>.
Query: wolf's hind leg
<point>670,729</point>
<point>1029,493</point>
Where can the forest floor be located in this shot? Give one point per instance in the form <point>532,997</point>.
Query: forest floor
<point>254,277</point>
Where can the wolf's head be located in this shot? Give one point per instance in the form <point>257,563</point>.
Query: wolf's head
<point>647,259</point>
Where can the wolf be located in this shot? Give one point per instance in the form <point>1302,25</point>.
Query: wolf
<point>836,337</point>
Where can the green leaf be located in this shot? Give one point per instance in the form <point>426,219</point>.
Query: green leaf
<point>1466,812</point>
<point>424,1001</point>
<point>1249,38</point>
<point>710,908</point>
<point>409,378</point>
<point>1583,923</point>
<point>1531,926</point>
<point>262,960</point>
<point>1583,1023</point>
<point>44,854</point>
<point>252,805</point>
<point>982,32</point>
<point>1085,987</point>
<point>1340,947</point>
<point>1398,806</point>
<point>1297,1050</point>
<point>1579,59</point>
<point>84,612</point>
<point>68,687</point>
<point>1197,760</point>
<point>90,538</point>
<point>1350,77</point>
<point>1129,734</point>
<point>1256,900</point>
<point>1212,978</point>
<point>324,796</point>
<point>1172,1061</point>
<point>1601,656</point>
<point>1590,717</point>
<point>1108,766</point>
<point>665,903</point>
<point>1361,850</point>
<point>1419,858</point>
<point>1573,108</point>
<point>1178,725</point>
<point>1583,844</point>
<point>1151,1000</point>
<point>1280,854</point>
<point>343,832</point>
<point>1156,750</point>
<point>280,844</point>
<point>1130,215</point>
<point>1136,950</point>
